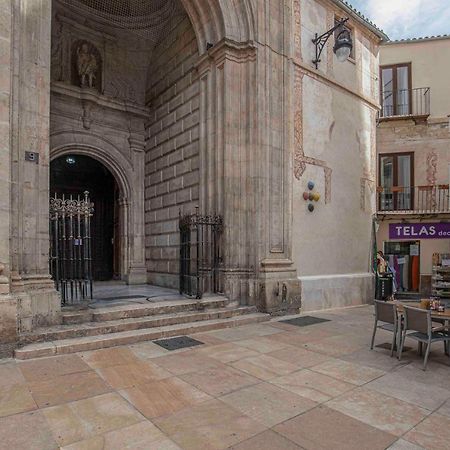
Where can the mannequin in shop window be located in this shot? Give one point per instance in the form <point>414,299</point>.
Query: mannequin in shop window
<point>384,267</point>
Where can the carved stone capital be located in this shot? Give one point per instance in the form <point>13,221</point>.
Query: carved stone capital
<point>137,142</point>
<point>227,49</point>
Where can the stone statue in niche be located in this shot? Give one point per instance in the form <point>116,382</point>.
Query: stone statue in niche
<point>87,65</point>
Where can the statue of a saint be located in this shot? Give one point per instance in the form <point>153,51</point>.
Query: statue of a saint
<point>86,65</point>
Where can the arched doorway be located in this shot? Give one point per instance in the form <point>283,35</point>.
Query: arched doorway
<point>72,175</point>
<point>157,116</point>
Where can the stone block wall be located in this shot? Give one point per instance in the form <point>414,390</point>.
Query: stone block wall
<point>172,149</point>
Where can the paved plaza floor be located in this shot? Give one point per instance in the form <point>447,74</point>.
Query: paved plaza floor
<point>271,386</point>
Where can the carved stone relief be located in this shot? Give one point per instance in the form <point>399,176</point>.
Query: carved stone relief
<point>86,117</point>
<point>329,48</point>
<point>365,183</point>
<point>300,159</point>
<point>297,29</point>
<point>367,179</point>
<point>57,51</point>
<point>432,160</point>
<point>431,167</point>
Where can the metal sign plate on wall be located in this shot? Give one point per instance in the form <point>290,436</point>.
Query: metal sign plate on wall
<point>32,157</point>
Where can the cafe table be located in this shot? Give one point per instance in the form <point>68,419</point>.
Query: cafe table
<point>419,305</point>
<point>443,315</point>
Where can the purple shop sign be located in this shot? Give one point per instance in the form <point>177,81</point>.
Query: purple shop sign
<point>437,230</point>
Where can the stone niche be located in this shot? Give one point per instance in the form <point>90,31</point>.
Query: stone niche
<point>86,65</point>
<point>107,60</point>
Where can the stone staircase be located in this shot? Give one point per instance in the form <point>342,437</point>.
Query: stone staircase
<point>95,328</point>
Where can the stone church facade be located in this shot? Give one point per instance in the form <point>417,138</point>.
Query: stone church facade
<point>220,108</point>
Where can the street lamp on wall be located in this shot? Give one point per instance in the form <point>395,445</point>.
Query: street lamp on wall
<point>342,43</point>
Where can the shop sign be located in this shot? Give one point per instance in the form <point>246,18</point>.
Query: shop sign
<point>435,230</point>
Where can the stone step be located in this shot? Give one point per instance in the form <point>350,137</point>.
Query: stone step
<point>74,345</point>
<point>108,313</point>
<point>59,332</point>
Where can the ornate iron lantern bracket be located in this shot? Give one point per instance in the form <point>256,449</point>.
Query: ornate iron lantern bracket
<point>320,41</point>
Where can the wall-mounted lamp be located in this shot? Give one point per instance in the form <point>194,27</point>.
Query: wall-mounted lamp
<point>342,44</point>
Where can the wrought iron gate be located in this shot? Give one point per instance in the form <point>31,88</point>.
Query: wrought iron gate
<point>70,247</point>
<point>200,254</point>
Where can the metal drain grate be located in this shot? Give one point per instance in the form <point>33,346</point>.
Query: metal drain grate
<point>304,321</point>
<point>178,342</point>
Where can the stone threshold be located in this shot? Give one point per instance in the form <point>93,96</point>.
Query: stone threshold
<point>66,346</point>
<point>112,312</point>
<point>59,332</point>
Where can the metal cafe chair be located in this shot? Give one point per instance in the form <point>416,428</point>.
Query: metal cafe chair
<point>386,312</point>
<point>419,324</point>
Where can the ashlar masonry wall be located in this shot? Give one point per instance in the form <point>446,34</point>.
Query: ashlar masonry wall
<point>172,149</point>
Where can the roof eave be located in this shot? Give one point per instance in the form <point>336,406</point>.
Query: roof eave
<point>361,19</point>
<point>417,40</point>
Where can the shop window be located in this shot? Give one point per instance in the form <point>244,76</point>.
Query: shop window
<point>404,261</point>
<point>395,90</point>
<point>396,181</point>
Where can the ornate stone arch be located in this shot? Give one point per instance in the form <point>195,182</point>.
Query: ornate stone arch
<point>97,147</point>
<point>214,20</point>
<point>89,144</point>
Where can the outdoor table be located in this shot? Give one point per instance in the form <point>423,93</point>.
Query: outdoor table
<point>434,314</point>
<point>445,315</point>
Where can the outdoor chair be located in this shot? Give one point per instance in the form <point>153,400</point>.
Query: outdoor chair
<point>418,323</point>
<point>386,312</point>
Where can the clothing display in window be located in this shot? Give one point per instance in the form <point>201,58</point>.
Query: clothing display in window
<point>406,271</point>
<point>406,277</point>
<point>415,270</point>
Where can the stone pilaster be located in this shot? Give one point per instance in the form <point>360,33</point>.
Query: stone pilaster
<point>8,304</point>
<point>137,271</point>
<point>277,290</point>
<point>38,301</point>
<point>245,168</point>
<point>227,184</point>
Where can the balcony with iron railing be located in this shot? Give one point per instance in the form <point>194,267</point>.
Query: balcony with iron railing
<point>405,103</point>
<point>428,199</point>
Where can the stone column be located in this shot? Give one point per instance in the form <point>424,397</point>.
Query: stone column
<point>137,271</point>
<point>38,301</point>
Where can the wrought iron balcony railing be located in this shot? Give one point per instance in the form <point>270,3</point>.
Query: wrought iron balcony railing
<point>405,102</point>
<point>414,199</point>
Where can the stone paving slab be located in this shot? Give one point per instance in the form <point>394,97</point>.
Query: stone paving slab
<point>266,386</point>
<point>323,428</point>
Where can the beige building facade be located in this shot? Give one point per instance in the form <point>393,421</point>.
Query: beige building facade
<point>206,104</point>
<point>413,146</point>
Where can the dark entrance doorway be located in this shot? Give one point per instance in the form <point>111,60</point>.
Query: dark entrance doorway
<point>74,174</point>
